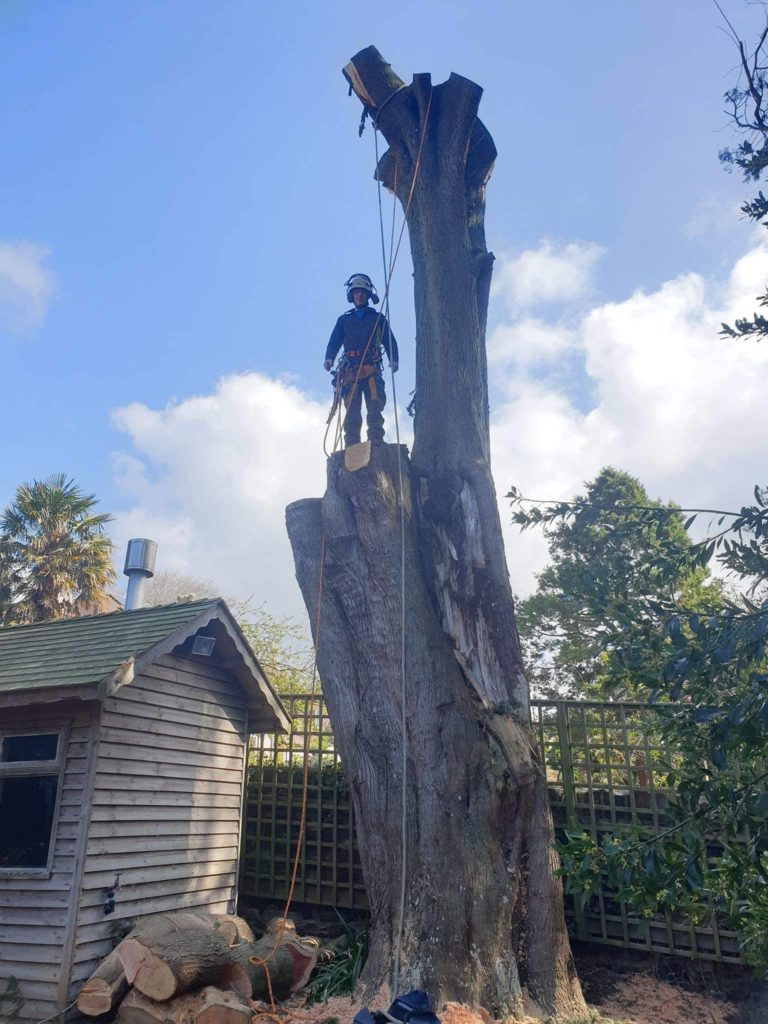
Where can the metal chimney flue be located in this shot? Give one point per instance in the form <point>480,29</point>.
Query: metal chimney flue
<point>139,567</point>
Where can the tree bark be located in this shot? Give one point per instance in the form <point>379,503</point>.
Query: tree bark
<point>165,966</point>
<point>108,984</point>
<point>483,921</point>
<point>289,966</point>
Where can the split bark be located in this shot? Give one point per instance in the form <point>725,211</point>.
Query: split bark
<point>483,914</point>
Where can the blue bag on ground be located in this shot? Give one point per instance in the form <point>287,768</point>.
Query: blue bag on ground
<point>365,1016</point>
<point>413,1008</point>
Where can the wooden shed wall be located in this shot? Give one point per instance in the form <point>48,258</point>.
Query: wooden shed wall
<point>37,914</point>
<point>166,803</point>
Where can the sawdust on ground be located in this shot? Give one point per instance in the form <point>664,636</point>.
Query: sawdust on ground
<point>642,999</point>
<point>636,999</point>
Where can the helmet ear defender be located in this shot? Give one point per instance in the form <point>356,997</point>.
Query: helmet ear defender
<point>361,281</point>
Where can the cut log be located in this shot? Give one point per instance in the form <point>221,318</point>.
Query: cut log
<point>234,929</point>
<point>165,966</point>
<point>104,989</point>
<point>208,1006</point>
<point>286,970</point>
<point>108,984</point>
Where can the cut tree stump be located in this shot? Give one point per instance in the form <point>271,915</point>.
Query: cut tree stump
<point>208,1006</point>
<point>166,965</point>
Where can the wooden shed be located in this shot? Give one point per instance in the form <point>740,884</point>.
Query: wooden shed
<point>123,744</point>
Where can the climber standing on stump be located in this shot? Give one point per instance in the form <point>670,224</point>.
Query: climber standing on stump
<point>363,333</point>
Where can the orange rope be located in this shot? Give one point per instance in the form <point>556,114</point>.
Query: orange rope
<point>255,960</point>
<point>288,1016</point>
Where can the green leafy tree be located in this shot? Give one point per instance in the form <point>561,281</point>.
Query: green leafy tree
<point>600,565</point>
<point>55,558</point>
<point>280,644</point>
<point>170,587</point>
<point>708,669</point>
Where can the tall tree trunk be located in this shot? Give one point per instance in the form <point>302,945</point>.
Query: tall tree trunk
<point>483,920</point>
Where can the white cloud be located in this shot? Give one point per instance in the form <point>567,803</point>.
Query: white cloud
<point>528,343</point>
<point>210,476</point>
<point>26,285</point>
<point>650,388</point>
<point>670,402</point>
<point>713,216</point>
<point>548,274</point>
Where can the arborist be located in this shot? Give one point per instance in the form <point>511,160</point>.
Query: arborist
<point>363,333</point>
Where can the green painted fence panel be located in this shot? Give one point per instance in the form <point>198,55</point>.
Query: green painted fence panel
<point>606,766</point>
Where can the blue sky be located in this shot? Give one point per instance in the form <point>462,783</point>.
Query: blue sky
<point>184,192</point>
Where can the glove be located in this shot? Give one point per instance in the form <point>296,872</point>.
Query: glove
<point>327,364</point>
<point>395,366</point>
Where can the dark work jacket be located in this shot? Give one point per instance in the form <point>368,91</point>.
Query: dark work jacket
<point>355,332</point>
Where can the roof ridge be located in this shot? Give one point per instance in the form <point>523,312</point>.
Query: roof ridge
<point>138,612</point>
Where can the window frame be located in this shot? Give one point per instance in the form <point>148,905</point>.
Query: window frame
<point>27,769</point>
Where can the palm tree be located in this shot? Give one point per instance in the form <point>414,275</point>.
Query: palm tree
<point>55,559</point>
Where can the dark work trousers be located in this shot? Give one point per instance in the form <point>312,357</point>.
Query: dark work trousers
<point>371,384</point>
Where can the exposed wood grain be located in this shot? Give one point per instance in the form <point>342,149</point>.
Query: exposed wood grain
<point>104,989</point>
<point>208,1006</point>
<point>234,929</point>
<point>166,966</point>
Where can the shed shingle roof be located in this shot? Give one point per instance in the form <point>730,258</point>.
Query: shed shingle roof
<point>79,652</point>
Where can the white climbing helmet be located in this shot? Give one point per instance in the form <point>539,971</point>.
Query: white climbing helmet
<point>364,282</point>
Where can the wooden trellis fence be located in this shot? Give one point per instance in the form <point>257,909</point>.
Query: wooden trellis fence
<point>606,767</point>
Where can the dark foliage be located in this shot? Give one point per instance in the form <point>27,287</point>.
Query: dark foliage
<point>707,669</point>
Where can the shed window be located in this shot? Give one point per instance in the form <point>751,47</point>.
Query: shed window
<point>30,780</point>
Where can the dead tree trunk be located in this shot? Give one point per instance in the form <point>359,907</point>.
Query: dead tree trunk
<point>483,919</point>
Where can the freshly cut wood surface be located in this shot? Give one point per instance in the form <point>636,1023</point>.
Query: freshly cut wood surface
<point>163,966</point>
<point>285,967</point>
<point>208,1006</point>
<point>108,983</point>
<point>234,929</point>
<point>104,989</point>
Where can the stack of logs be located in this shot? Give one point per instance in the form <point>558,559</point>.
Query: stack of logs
<point>190,967</point>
